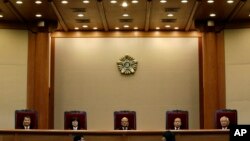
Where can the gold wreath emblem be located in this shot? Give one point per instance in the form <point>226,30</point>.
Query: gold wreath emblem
<point>127,65</point>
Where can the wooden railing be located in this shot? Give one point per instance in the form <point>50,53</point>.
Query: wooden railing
<point>111,135</point>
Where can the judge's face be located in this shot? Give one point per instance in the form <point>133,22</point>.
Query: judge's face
<point>26,121</point>
<point>224,121</point>
<point>74,123</point>
<point>177,122</point>
<point>124,121</point>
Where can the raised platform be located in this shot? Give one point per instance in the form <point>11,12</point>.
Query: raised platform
<point>111,135</point>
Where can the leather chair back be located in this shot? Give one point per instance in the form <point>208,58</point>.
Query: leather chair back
<point>230,113</point>
<point>131,115</point>
<point>171,115</point>
<point>19,117</point>
<point>81,117</point>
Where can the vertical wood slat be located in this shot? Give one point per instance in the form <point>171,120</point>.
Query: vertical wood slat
<point>213,97</point>
<point>52,78</point>
<point>31,70</point>
<point>221,70</point>
<point>201,106</point>
<point>38,77</point>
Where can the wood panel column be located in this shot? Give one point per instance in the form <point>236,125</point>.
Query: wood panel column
<point>38,77</point>
<point>213,75</point>
<point>39,97</point>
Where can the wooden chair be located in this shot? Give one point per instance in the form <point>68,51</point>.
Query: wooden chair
<point>230,113</point>
<point>131,115</point>
<point>19,117</point>
<point>80,116</point>
<point>171,115</point>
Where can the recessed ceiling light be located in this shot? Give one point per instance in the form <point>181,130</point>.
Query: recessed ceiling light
<point>95,28</point>
<point>176,28</point>
<point>134,1</point>
<point>85,26</point>
<point>126,26</point>
<point>184,1</point>
<point>170,15</point>
<point>19,2</point>
<point>64,2</point>
<point>212,15</point>
<point>85,1</point>
<point>117,28</point>
<point>80,15</point>
<point>163,1</point>
<point>167,26</point>
<point>76,28</point>
<point>125,15</point>
<point>38,2</point>
<point>113,1</point>
<point>210,1</point>
<point>38,15</point>
<point>157,28</point>
<point>230,1</point>
<point>135,28</point>
<point>1,16</point>
<point>124,4</point>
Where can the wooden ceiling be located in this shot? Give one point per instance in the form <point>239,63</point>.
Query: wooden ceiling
<point>145,15</point>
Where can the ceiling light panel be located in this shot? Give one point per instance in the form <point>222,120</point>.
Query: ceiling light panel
<point>79,12</point>
<point>170,10</point>
<point>118,16</point>
<point>207,7</point>
<point>29,8</point>
<point>243,12</point>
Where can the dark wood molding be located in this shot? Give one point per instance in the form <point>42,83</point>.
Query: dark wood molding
<point>148,12</point>
<point>12,8</point>
<point>13,25</point>
<point>123,34</point>
<point>102,14</point>
<point>60,18</point>
<point>191,17</point>
<point>236,10</point>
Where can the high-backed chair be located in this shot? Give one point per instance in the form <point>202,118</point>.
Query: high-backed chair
<point>131,115</point>
<point>19,117</point>
<point>171,115</point>
<point>230,113</point>
<point>80,116</point>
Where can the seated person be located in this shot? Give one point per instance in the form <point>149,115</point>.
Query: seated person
<point>224,122</point>
<point>168,136</point>
<point>177,123</point>
<point>124,124</point>
<point>26,122</point>
<point>79,138</point>
<point>75,125</point>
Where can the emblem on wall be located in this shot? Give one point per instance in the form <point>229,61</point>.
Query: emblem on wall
<point>127,65</point>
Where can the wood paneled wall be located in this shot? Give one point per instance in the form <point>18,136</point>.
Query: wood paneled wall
<point>212,72</point>
<point>38,77</point>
